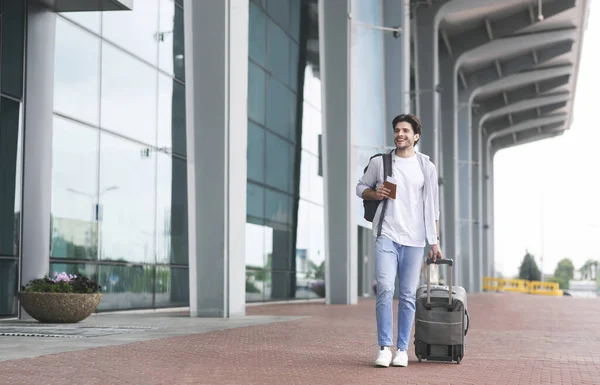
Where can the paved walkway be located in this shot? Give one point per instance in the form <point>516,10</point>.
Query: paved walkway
<point>513,339</point>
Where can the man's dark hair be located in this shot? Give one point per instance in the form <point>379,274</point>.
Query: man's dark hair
<point>411,119</point>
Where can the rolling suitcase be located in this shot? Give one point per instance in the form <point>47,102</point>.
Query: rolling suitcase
<point>441,319</point>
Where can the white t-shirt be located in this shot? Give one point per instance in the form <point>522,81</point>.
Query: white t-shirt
<point>404,222</point>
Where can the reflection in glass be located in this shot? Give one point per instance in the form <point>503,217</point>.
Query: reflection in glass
<point>171,39</point>
<point>171,115</point>
<point>8,287</point>
<point>137,30</point>
<point>281,109</point>
<point>278,207</point>
<point>74,190</point>
<point>172,287</point>
<point>76,72</point>
<point>88,270</point>
<point>257,40</point>
<point>126,287</point>
<point>256,153</point>
<point>279,52</point>
<point>127,196</point>
<point>13,38</point>
<point>129,95</point>
<point>10,176</point>
<point>171,210</point>
<point>256,93</point>
<point>279,159</point>
<point>259,248</point>
<point>255,201</point>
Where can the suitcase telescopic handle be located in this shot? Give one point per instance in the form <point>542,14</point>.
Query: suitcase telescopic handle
<point>440,261</point>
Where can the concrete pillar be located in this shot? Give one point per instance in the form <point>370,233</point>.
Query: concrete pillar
<point>37,169</point>
<point>339,157</point>
<point>397,61</point>
<point>216,70</point>
<point>487,206</point>
<point>465,212</point>
<point>429,102</point>
<point>477,200</point>
<point>449,154</point>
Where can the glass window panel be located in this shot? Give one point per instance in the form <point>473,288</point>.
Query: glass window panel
<point>256,93</point>
<point>171,211</point>
<point>293,82</point>
<point>281,109</point>
<point>296,11</point>
<point>180,2</point>
<point>279,52</point>
<point>127,200</point>
<point>74,190</point>
<point>129,95</point>
<point>137,30</point>
<point>90,20</point>
<point>278,207</point>
<point>172,287</point>
<point>126,287</point>
<point>13,38</point>
<point>280,11</point>
<point>171,44</point>
<point>77,72</point>
<point>303,286</point>
<point>8,287</point>
<point>86,269</point>
<point>255,201</point>
<point>279,153</point>
<point>171,115</point>
<point>258,35</point>
<point>10,176</point>
<point>283,285</point>
<point>257,261</point>
<point>256,153</point>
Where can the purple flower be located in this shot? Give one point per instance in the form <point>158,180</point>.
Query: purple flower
<point>62,277</point>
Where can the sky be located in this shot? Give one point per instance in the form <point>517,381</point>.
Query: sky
<point>547,193</point>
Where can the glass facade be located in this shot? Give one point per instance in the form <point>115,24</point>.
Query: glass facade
<point>284,230</point>
<point>12,52</point>
<point>119,189</point>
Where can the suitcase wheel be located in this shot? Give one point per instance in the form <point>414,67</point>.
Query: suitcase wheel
<point>419,358</point>
<point>458,360</point>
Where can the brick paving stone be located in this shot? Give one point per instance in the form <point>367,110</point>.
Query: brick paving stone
<point>513,339</point>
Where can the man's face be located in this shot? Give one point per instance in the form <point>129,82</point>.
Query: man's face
<point>404,137</point>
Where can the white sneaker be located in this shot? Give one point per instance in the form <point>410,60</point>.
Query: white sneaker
<point>401,359</point>
<point>384,358</point>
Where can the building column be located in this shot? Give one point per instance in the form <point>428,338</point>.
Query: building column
<point>397,61</point>
<point>487,206</point>
<point>339,155</point>
<point>449,154</point>
<point>216,69</point>
<point>465,212</point>
<point>37,168</point>
<point>477,200</point>
<point>427,61</point>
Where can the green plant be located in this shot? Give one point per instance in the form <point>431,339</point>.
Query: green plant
<point>62,283</point>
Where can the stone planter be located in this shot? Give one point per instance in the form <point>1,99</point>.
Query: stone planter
<point>59,307</point>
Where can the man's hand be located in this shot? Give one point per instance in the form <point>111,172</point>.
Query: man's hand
<point>381,192</point>
<point>435,252</point>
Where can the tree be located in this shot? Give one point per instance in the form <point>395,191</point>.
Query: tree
<point>564,273</point>
<point>529,270</point>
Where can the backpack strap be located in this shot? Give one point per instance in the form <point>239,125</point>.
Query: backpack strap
<point>387,171</point>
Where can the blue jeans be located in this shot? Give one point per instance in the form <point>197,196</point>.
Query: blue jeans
<point>391,259</point>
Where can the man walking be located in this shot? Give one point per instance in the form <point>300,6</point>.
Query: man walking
<point>408,222</point>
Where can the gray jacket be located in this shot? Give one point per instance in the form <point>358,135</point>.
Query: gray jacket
<point>373,177</point>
